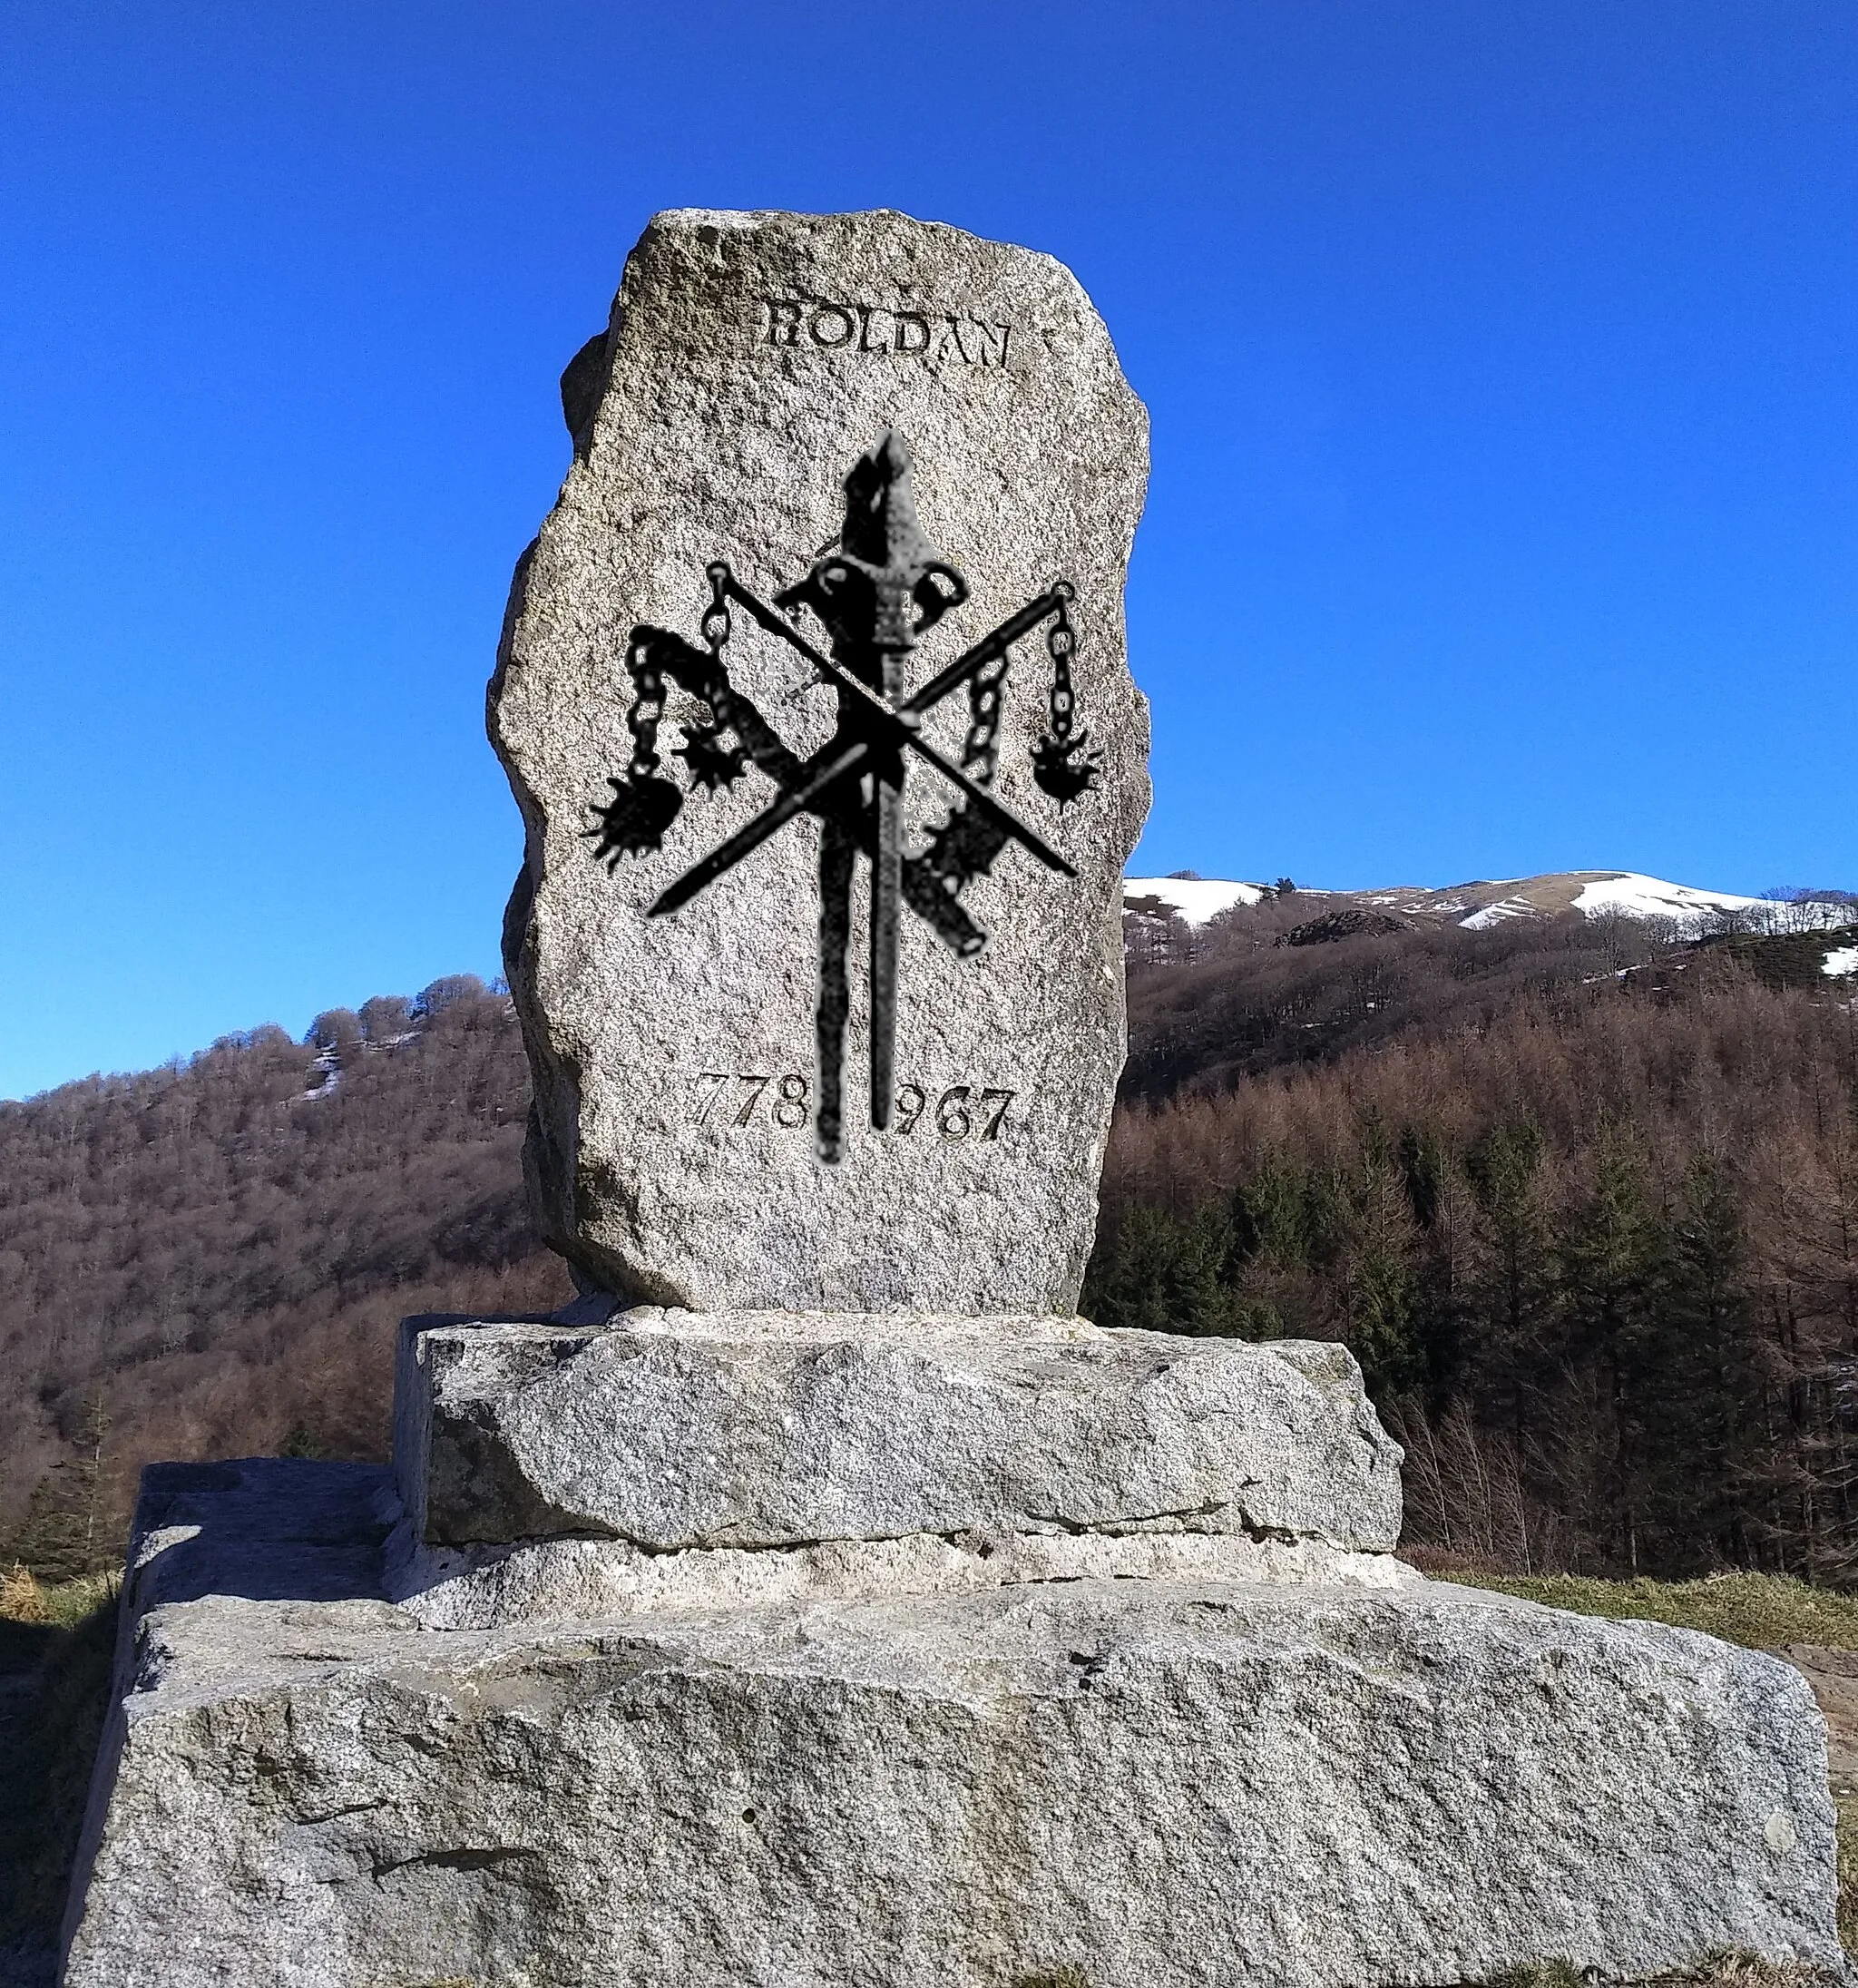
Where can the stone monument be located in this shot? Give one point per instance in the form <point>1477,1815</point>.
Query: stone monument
<point>817,1600</point>
<point>870,422</point>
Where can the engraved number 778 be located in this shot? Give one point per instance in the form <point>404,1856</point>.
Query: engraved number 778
<point>790,1095</point>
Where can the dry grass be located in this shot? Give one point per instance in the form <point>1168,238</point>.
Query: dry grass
<point>22,1600</point>
<point>1848,1874</point>
<point>61,1605</point>
<point>1760,1611</point>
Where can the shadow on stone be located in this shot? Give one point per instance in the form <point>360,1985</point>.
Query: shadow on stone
<point>55,1694</point>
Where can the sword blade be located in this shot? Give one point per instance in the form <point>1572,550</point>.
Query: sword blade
<point>986,650</point>
<point>886,893</point>
<point>1001,814</point>
<point>894,721</point>
<point>939,685</point>
<point>837,849</point>
<point>852,759</point>
<point>802,799</point>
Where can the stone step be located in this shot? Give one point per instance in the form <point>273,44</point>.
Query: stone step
<point>673,1430</point>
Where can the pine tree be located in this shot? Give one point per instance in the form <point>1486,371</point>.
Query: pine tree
<point>1166,1275</point>
<point>1611,1260</point>
<point>1701,1377</point>
<point>66,1532</point>
<point>1508,1283</point>
<point>1378,1238</point>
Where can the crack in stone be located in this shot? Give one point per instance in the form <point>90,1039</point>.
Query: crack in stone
<point>334,1815</point>
<point>450,1860</point>
<point>1136,1526</point>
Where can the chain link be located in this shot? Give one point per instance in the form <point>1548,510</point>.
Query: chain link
<point>647,684</point>
<point>716,637</point>
<point>986,689</point>
<point>647,709</point>
<point>1060,763</point>
<point>716,616</point>
<point>1060,643</point>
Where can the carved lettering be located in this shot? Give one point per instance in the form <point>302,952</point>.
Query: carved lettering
<point>958,1112</point>
<point>992,342</point>
<point>875,331</point>
<point>782,325</point>
<point>948,345</point>
<point>831,325</point>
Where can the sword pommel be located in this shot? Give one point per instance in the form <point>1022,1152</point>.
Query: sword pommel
<point>885,566</point>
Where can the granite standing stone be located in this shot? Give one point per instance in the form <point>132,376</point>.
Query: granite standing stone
<point>751,361</point>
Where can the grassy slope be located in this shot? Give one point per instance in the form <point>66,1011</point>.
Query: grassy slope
<point>1760,1611</point>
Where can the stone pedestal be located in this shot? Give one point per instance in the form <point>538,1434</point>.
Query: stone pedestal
<point>888,1651</point>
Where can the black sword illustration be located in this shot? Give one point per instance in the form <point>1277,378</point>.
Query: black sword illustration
<point>882,588</point>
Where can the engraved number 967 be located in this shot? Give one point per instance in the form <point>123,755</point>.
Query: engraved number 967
<point>952,1117</point>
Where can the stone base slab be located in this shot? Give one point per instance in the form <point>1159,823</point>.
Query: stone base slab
<point>678,1430</point>
<point>1183,1780</point>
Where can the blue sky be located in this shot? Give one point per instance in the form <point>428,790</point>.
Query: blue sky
<point>1504,514</point>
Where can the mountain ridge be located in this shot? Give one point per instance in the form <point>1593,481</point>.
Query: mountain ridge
<point>1484,902</point>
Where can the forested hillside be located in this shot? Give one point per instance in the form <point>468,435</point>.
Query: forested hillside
<point>208,1259</point>
<point>1583,1200</point>
<point>1582,1197</point>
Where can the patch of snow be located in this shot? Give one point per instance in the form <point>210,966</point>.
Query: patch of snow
<point>1842,960</point>
<point>1626,893</point>
<point>329,1066</point>
<point>1497,914</point>
<point>1637,896</point>
<point>1194,900</point>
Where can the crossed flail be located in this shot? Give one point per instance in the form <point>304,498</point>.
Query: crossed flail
<point>875,596</point>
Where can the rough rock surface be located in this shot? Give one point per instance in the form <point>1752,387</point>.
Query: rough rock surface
<point>673,1430</point>
<point>556,1580</point>
<point>750,359</point>
<point>1192,1782</point>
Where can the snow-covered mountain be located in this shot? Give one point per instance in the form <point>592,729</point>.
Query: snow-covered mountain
<point>1480,905</point>
<point>1194,898</point>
